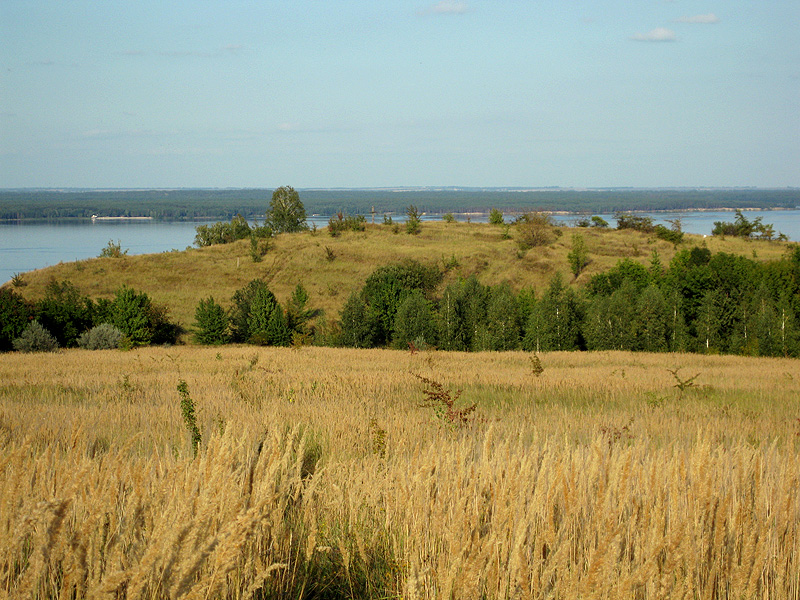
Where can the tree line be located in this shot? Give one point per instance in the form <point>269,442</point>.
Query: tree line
<point>700,302</point>
<point>227,203</point>
<point>65,318</point>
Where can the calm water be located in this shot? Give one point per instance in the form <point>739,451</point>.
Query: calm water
<point>32,245</point>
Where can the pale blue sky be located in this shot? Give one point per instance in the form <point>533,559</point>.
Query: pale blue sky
<point>350,93</point>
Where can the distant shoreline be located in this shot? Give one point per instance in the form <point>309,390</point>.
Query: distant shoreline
<point>96,218</point>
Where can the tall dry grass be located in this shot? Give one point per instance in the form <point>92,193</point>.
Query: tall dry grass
<point>320,475</point>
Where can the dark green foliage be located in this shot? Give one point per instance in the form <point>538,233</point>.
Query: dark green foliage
<point>241,309</point>
<point>35,338</point>
<point>15,314</point>
<point>387,287</point>
<point>211,323</point>
<point>100,337</point>
<point>266,324</point>
<point>610,281</point>
<point>131,314</point>
<point>297,313</point>
<point>278,332</point>
<point>286,212</point>
<point>64,312</point>
<point>554,323</point>
<point>358,324</point>
<point>599,222</point>
<point>502,319</point>
<point>453,334</point>
<point>414,323</point>
<point>651,320</point>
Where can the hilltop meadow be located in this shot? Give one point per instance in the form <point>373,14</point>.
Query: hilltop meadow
<point>244,471</point>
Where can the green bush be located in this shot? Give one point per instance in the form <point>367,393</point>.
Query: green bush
<point>340,223</point>
<point>35,338</point>
<point>495,217</point>
<point>101,337</point>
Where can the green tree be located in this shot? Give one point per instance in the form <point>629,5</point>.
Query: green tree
<point>297,315</point>
<point>259,326</point>
<point>211,323</point>
<point>357,323</point>
<point>64,312</point>
<point>578,256</point>
<point>387,287</point>
<point>278,332</point>
<point>554,323</point>
<point>131,314</point>
<point>452,322</point>
<point>414,322</point>
<point>651,320</point>
<point>502,319</point>
<point>242,309</point>
<point>495,217</point>
<point>708,324</point>
<point>15,314</point>
<point>286,212</point>
<point>413,223</point>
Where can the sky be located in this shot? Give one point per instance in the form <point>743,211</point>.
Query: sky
<point>354,93</point>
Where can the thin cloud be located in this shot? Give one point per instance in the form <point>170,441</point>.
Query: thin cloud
<point>446,7</point>
<point>709,19</point>
<point>659,34</point>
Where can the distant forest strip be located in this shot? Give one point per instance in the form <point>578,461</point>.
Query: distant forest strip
<point>252,203</point>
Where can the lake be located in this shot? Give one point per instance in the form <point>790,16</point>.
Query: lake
<point>25,246</point>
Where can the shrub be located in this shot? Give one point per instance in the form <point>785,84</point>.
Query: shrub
<point>226,233</point>
<point>35,338</point>
<point>101,337</point>
<point>495,217</point>
<point>339,223</point>
<point>535,229</point>
<point>449,218</point>
<point>113,250</point>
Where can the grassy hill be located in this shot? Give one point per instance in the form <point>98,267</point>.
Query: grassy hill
<point>331,268</point>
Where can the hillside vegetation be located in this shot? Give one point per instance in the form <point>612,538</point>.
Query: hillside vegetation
<point>331,268</point>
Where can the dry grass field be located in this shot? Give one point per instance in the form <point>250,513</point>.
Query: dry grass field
<point>179,280</point>
<point>320,474</point>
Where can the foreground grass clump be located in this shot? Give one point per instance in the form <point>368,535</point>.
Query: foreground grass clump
<point>323,473</point>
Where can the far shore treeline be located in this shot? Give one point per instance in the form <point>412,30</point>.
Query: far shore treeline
<point>177,204</point>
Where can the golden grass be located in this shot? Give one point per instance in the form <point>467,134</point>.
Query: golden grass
<point>181,279</point>
<point>320,472</point>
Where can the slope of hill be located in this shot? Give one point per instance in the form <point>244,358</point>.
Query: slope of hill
<point>331,268</point>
